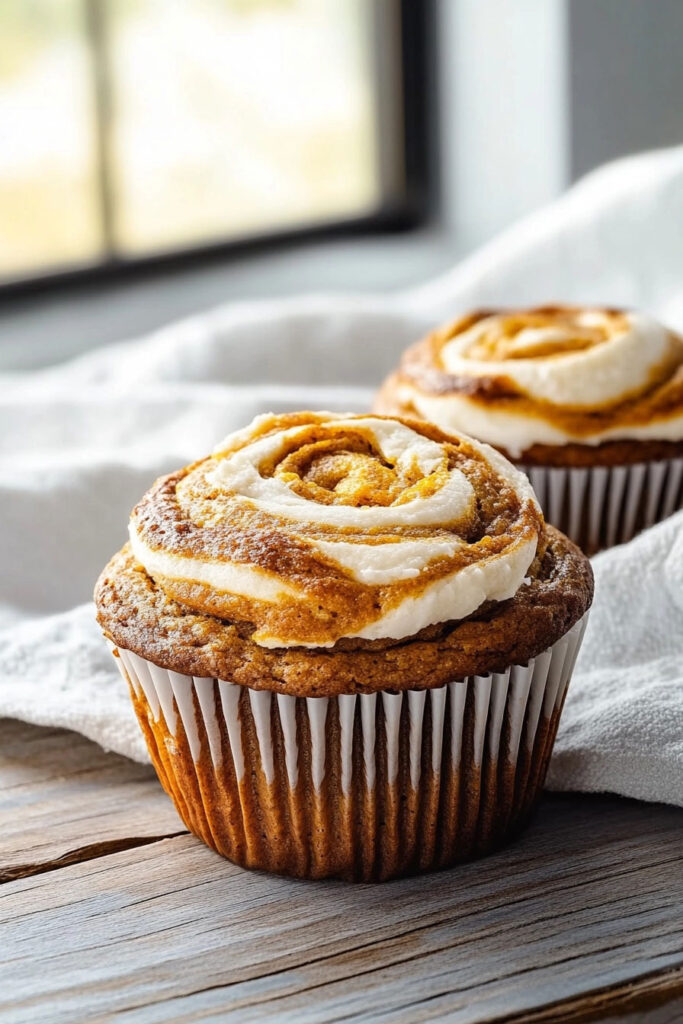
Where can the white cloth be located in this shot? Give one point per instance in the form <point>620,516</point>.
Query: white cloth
<point>622,727</point>
<point>80,443</point>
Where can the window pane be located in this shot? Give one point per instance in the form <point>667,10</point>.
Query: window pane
<point>48,195</point>
<point>235,117</point>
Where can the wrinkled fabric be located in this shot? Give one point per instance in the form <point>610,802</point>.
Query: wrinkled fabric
<point>81,442</point>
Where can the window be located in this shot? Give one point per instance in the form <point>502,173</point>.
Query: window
<point>134,129</point>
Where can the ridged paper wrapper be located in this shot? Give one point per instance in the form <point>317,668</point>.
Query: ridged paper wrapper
<point>600,506</point>
<point>364,787</point>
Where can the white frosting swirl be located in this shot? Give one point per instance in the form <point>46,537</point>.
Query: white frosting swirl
<point>569,363</point>
<point>605,371</point>
<point>383,515</point>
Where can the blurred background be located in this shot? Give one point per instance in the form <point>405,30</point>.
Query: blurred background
<point>161,156</point>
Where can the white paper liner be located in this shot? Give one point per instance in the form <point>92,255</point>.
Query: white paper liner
<point>489,720</point>
<point>598,507</point>
<point>521,689</point>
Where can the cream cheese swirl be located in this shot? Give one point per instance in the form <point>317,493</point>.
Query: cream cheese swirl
<point>314,527</point>
<point>549,376</point>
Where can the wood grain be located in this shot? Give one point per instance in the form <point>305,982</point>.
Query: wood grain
<point>62,798</point>
<point>657,998</point>
<point>588,902</point>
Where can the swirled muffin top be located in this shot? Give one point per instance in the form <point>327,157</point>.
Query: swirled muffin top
<point>316,527</point>
<point>315,554</point>
<point>550,376</point>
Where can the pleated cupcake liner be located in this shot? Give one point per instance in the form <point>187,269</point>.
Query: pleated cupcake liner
<point>363,787</point>
<point>600,506</point>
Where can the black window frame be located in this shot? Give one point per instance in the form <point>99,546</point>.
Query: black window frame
<point>413,208</point>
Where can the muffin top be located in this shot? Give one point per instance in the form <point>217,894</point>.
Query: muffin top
<point>316,527</point>
<point>550,376</point>
<point>313,551</point>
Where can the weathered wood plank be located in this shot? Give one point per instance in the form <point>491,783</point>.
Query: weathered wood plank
<point>655,998</point>
<point>590,899</point>
<point>62,798</point>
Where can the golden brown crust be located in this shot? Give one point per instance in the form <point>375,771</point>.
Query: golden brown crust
<point>609,453</point>
<point>137,615</point>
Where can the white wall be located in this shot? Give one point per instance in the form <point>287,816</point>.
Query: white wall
<point>504,110</point>
<point>535,93</point>
<point>626,78</point>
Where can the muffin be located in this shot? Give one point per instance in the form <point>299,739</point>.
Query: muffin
<point>589,402</point>
<point>348,641</point>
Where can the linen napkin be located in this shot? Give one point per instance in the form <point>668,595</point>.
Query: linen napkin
<point>622,727</point>
<point>80,443</point>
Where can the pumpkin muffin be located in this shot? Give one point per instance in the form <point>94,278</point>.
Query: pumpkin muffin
<point>348,641</point>
<point>588,401</point>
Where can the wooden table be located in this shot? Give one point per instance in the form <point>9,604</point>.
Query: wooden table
<point>110,910</point>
